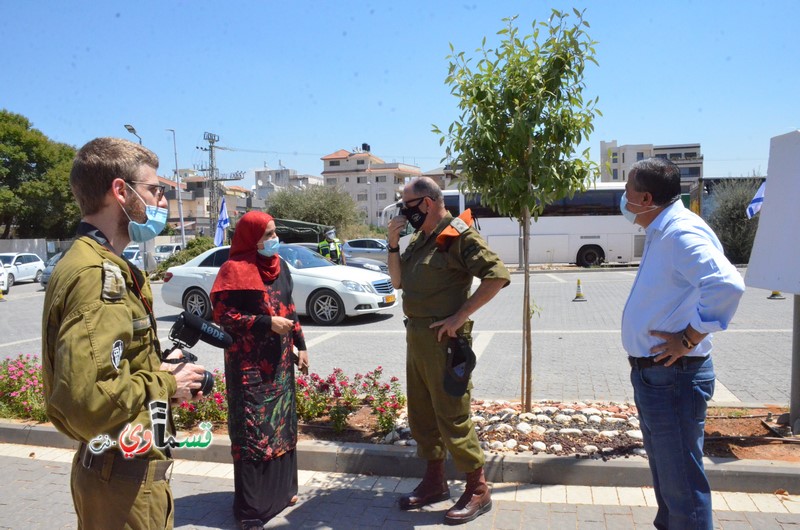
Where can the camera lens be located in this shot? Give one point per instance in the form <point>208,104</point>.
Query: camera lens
<point>206,384</point>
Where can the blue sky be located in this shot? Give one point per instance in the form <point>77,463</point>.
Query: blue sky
<point>300,79</point>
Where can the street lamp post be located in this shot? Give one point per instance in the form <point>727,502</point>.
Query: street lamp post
<point>178,186</point>
<point>132,130</point>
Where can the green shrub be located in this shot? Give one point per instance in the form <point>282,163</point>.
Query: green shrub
<point>729,221</point>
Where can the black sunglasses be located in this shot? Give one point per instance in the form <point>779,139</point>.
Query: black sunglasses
<point>413,202</point>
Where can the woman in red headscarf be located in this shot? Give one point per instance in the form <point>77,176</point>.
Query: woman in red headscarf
<point>252,299</point>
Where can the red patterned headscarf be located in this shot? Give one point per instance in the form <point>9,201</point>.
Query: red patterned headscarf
<point>246,269</point>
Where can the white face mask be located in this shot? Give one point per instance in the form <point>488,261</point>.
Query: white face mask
<point>629,215</point>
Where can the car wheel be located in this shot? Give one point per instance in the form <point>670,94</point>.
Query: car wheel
<point>590,256</point>
<point>196,302</point>
<point>326,308</point>
<point>38,278</point>
<point>9,281</point>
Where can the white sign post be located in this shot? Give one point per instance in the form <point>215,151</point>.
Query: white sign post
<point>775,260</point>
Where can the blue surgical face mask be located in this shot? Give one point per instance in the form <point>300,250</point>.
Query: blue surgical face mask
<point>623,207</point>
<point>156,219</point>
<point>271,246</point>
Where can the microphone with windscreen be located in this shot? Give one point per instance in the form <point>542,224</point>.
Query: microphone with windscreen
<point>187,330</point>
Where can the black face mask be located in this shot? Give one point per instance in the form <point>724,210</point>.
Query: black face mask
<point>415,216</point>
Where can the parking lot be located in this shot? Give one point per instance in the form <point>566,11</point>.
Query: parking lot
<point>576,347</point>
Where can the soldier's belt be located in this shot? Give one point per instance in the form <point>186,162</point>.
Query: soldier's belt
<point>134,469</point>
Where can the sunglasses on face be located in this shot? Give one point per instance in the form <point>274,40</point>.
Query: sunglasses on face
<point>155,189</point>
<point>412,203</point>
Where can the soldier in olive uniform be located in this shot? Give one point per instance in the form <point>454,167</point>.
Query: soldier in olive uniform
<point>435,273</point>
<point>103,373</point>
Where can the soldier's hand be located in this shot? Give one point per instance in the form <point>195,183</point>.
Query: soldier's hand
<point>448,326</point>
<point>188,376</point>
<point>396,226</point>
<point>281,325</point>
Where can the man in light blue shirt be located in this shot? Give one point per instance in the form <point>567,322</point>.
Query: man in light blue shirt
<point>685,290</point>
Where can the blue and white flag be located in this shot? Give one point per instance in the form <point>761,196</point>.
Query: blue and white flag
<point>222,223</point>
<point>758,199</point>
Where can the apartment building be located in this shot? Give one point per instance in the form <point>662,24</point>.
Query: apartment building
<point>371,181</point>
<point>616,160</point>
<point>268,181</point>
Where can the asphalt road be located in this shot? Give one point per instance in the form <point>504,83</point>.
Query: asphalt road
<point>576,345</point>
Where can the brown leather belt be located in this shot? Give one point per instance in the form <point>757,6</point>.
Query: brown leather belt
<point>134,469</point>
<point>649,362</point>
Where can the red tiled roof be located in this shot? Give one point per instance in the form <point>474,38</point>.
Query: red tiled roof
<point>341,153</point>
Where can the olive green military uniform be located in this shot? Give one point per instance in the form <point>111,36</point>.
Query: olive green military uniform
<point>436,283</point>
<point>101,371</point>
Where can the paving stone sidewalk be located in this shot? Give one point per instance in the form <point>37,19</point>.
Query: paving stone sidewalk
<point>35,494</point>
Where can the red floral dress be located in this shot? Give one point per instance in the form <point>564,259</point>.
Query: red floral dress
<point>259,369</point>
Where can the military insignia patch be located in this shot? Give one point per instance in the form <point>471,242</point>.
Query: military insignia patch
<point>116,353</point>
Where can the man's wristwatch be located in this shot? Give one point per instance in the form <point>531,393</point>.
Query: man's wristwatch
<point>393,249</point>
<point>688,344</point>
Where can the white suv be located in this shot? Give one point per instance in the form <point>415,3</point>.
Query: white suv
<point>21,266</point>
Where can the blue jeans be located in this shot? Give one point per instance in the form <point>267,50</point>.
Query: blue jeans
<point>672,404</point>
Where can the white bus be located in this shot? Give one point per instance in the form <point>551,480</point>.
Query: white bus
<point>587,229</point>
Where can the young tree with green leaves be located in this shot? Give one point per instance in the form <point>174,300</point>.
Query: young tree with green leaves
<point>35,196</point>
<point>523,116</point>
<point>314,204</point>
<point>728,218</point>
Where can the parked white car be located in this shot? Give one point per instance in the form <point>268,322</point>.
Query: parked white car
<point>21,267</point>
<point>367,248</point>
<point>166,250</point>
<point>4,287</point>
<point>326,292</point>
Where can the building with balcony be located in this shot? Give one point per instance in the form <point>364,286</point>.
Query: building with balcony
<point>268,181</point>
<point>373,183</point>
<point>616,161</point>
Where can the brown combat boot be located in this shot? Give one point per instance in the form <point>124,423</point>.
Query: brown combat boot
<point>433,488</point>
<point>475,500</point>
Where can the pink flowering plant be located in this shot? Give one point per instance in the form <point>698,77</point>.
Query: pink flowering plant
<point>21,389</point>
<point>212,408</point>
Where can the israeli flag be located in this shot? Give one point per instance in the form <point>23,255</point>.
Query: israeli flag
<point>222,223</point>
<point>758,199</point>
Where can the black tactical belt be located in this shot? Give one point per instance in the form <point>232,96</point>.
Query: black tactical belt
<point>128,469</point>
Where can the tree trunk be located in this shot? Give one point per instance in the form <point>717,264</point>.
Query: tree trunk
<point>526,321</point>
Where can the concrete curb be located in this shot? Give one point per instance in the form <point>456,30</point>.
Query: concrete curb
<point>745,476</point>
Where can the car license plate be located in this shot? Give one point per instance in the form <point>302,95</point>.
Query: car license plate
<point>389,299</point>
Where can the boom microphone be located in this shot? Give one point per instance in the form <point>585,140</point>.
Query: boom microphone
<point>188,329</point>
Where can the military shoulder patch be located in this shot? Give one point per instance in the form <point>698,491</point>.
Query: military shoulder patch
<point>116,353</point>
<point>459,225</point>
<point>113,282</point>
<point>470,250</point>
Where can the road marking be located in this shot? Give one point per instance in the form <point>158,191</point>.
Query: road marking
<point>556,278</point>
<point>321,338</point>
<point>37,339</point>
<point>723,395</point>
<point>480,341</point>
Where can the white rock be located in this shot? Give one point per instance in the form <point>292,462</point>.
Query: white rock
<point>508,411</point>
<point>541,418</point>
<point>594,418</point>
<point>527,416</point>
<point>562,418</point>
<point>400,442</point>
<point>590,449</point>
<point>590,411</point>
<point>511,444</point>
<point>568,411</point>
<point>609,434</point>
<point>590,432</point>
<point>391,437</point>
<point>616,420</point>
<point>556,448</point>
<point>605,450</point>
<point>524,428</point>
<point>634,422</point>
<point>579,418</point>
<point>494,419</point>
<point>537,410</point>
<point>538,429</point>
<point>636,435</point>
<point>639,451</point>
<point>523,447</point>
<point>478,420</point>
<point>496,445</point>
<point>569,431</point>
<point>503,427</point>
<point>539,446</point>
<point>549,410</point>
<point>412,442</point>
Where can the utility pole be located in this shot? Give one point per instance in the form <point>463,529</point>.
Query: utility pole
<point>178,186</point>
<point>212,173</point>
